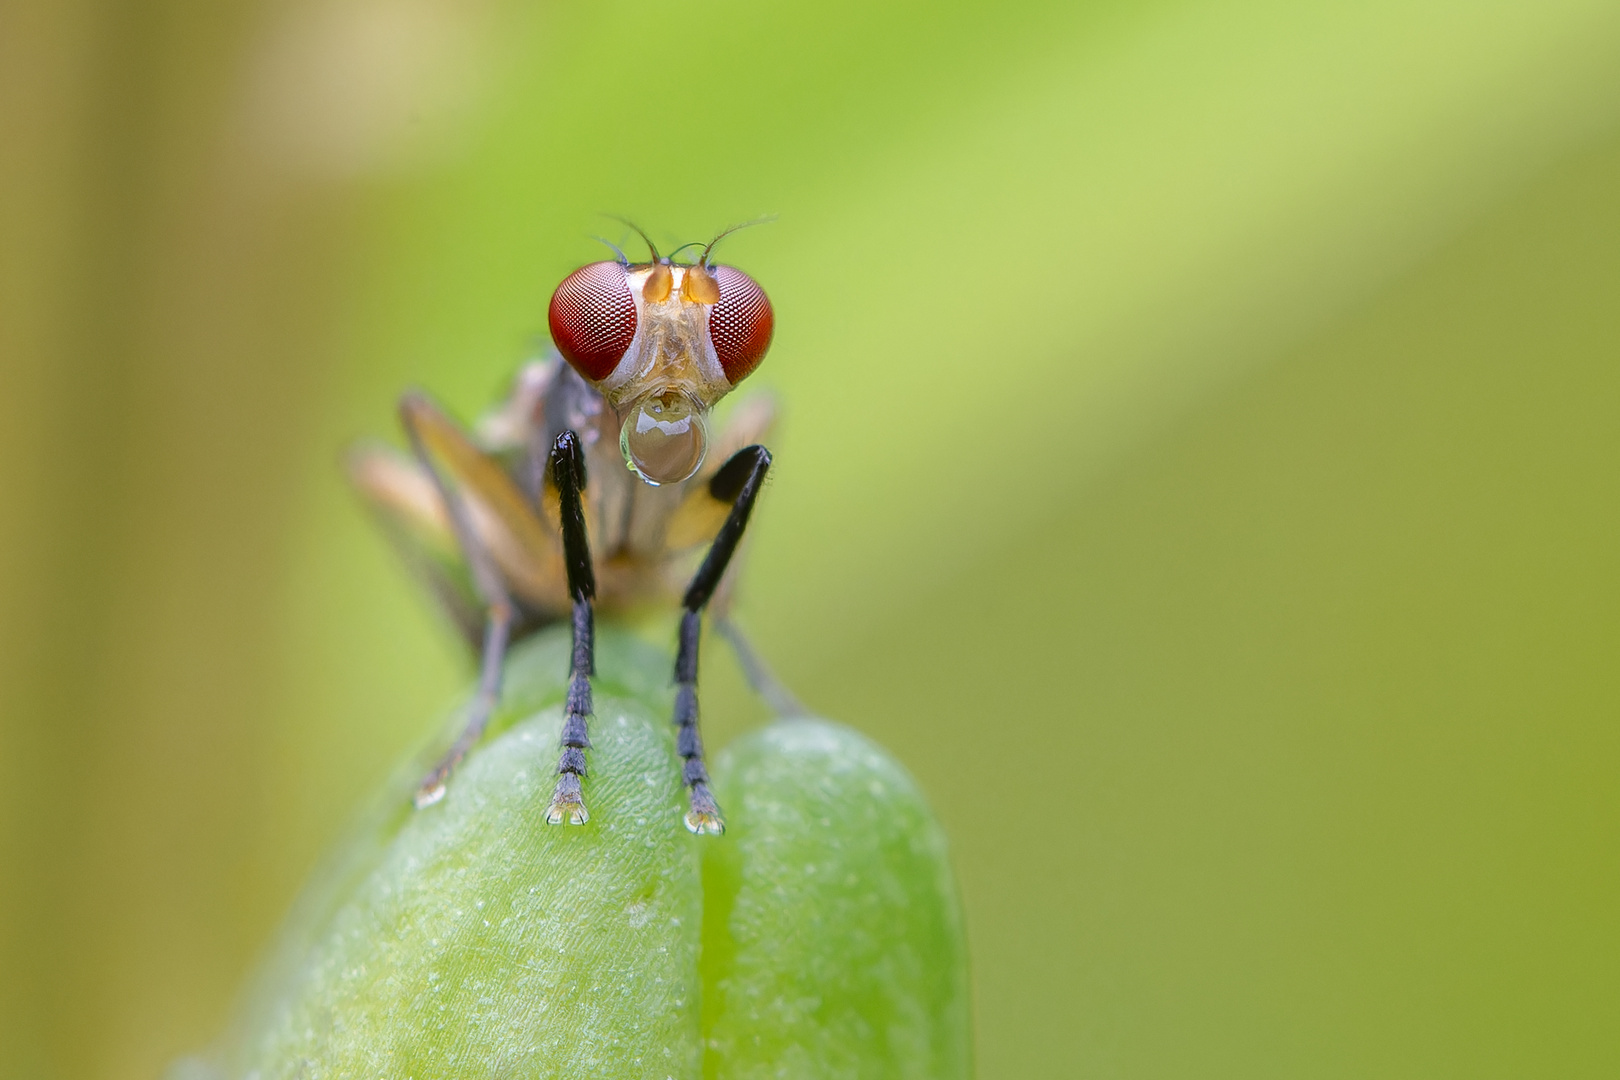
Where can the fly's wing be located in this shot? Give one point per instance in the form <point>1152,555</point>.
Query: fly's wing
<point>407,506</point>
<point>508,526</point>
<point>506,427</point>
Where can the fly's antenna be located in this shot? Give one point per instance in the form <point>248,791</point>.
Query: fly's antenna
<point>683,247</point>
<point>704,259</point>
<point>657,258</point>
<point>624,260</point>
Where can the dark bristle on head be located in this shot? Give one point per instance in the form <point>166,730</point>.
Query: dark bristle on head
<point>703,260</point>
<point>624,260</point>
<point>653,248</point>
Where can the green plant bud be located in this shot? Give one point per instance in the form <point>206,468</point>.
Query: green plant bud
<point>482,942</point>
<point>832,938</point>
<point>471,939</point>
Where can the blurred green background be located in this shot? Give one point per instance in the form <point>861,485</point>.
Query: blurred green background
<point>1200,466</point>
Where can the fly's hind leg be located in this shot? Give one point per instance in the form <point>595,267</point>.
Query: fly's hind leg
<point>737,482</point>
<point>566,466</point>
<point>498,609</point>
<point>761,679</point>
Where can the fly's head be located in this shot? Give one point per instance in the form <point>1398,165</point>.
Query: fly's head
<point>662,341</point>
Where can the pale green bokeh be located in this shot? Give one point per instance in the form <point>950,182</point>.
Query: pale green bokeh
<point>1197,440</point>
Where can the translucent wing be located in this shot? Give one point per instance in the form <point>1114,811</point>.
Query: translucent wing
<point>405,503</point>
<point>505,521</point>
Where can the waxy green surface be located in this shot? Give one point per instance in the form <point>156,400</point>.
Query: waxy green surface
<point>832,942</point>
<point>819,938</point>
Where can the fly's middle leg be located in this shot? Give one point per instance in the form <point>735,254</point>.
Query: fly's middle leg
<point>499,611</point>
<point>567,472</point>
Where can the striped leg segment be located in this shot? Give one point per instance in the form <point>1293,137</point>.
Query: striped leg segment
<point>567,468</point>
<point>738,482</point>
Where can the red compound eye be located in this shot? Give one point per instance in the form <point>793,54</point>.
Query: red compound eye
<point>740,324</point>
<point>593,318</point>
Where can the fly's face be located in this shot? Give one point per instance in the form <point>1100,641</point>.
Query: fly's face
<point>661,342</point>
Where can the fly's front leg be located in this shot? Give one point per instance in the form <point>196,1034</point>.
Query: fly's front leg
<point>567,469</point>
<point>737,482</point>
<point>498,609</point>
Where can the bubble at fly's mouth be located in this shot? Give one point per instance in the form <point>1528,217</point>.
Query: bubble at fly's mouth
<point>664,438</point>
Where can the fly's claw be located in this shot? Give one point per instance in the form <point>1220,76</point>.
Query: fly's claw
<point>432,787</point>
<point>566,812</point>
<point>704,822</point>
<point>704,817</point>
<point>567,803</point>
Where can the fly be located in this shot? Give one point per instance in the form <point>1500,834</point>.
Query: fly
<point>503,526</point>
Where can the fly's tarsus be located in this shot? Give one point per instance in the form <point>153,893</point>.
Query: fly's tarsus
<point>704,816</point>
<point>567,803</point>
